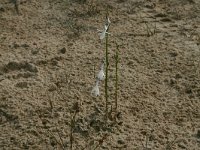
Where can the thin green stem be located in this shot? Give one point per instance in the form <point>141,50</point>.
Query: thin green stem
<point>106,79</point>
<point>107,64</point>
<point>116,77</point>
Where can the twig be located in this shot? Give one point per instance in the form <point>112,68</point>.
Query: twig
<point>94,71</point>
<point>61,140</point>
<point>16,3</point>
<point>71,134</point>
<point>170,144</point>
<point>76,109</point>
<point>101,141</point>
<point>50,133</point>
<point>55,138</point>
<point>51,104</point>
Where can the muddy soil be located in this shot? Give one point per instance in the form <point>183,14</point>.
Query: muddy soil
<point>50,51</point>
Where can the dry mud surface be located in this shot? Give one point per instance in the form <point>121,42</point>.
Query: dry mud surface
<point>48,52</point>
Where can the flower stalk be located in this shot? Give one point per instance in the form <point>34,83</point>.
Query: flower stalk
<point>101,76</point>
<point>106,77</point>
<point>116,77</point>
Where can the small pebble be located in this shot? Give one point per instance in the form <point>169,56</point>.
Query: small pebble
<point>120,142</point>
<point>63,50</point>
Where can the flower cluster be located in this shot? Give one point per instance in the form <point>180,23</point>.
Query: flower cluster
<point>95,90</point>
<point>101,76</point>
<point>102,33</point>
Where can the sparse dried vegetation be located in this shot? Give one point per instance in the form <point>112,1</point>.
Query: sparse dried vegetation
<point>144,65</point>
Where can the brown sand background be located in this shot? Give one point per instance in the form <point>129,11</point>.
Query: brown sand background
<point>48,53</point>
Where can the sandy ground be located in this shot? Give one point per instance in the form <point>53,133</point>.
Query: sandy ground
<point>48,53</point>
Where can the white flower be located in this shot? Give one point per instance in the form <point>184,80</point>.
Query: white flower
<point>108,21</point>
<point>95,90</point>
<point>103,32</point>
<point>101,75</point>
